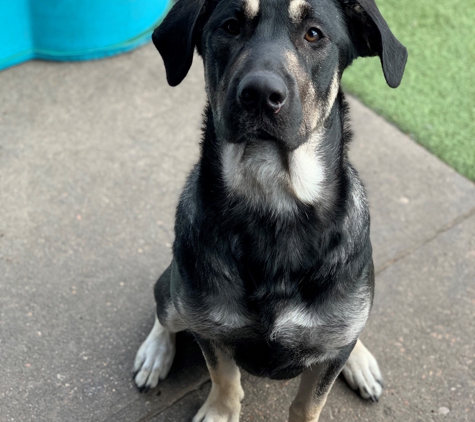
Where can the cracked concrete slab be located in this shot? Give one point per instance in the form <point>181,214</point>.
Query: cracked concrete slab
<point>93,157</point>
<point>412,194</point>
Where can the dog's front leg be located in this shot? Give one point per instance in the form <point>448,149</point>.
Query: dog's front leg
<point>362,373</point>
<point>224,401</point>
<point>315,384</point>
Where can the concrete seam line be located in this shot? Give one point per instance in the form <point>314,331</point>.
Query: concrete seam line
<point>456,221</point>
<point>159,412</point>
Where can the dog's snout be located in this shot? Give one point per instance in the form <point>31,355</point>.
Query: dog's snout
<point>262,91</point>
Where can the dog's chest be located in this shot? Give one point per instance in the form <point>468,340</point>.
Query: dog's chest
<point>293,325</point>
<point>326,328</point>
<point>290,337</point>
<point>260,174</point>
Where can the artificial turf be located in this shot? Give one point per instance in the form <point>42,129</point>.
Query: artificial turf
<point>435,103</point>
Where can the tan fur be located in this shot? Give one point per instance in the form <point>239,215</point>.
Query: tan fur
<point>224,400</point>
<point>307,405</point>
<point>334,88</point>
<point>251,8</point>
<point>296,8</point>
<point>308,96</point>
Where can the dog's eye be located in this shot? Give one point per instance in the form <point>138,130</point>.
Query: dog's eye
<point>312,35</point>
<point>232,26</point>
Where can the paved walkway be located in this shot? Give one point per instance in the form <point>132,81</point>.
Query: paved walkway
<point>92,159</point>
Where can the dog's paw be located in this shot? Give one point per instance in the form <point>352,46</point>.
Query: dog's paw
<point>362,373</point>
<point>224,407</point>
<point>154,358</point>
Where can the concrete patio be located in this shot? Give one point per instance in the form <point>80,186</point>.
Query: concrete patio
<point>93,157</point>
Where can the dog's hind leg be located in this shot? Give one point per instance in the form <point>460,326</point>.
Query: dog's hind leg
<point>224,400</point>
<point>362,373</point>
<point>315,384</point>
<point>155,356</point>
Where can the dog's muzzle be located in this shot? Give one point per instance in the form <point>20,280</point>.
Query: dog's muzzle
<point>262,91</point>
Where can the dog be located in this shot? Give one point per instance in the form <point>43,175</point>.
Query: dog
<point>272,267</point>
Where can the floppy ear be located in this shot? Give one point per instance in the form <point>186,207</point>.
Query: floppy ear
<point>175,39</point>
<point>372,36</point>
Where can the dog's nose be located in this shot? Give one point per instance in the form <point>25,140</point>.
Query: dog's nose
<point>262,90</point>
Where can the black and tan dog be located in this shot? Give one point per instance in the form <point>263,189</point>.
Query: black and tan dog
<point>272,269</point>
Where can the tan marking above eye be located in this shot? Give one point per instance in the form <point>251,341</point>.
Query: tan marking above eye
<point>296,9</point>
<point>251,8</point>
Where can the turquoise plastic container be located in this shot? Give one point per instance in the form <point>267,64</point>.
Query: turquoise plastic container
<point>75,29</point>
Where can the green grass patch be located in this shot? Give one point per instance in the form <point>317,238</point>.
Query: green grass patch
<point>435,103</point>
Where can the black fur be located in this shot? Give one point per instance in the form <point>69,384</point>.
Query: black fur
<point>236,256</point>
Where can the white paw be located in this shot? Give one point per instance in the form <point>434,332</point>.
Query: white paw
<point>154,358</point>
<point>362,373</point>
<point>224,407</point>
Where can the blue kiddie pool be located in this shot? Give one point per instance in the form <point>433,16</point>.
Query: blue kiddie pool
<point>75,29</point>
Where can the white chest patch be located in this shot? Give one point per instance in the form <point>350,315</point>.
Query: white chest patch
<point>291,318</point>
<point>332,328</point>
<point>306,171</point>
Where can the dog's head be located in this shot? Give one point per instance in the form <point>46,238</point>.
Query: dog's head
<point>273,67</point>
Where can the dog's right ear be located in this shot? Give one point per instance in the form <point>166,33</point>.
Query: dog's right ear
<point>175,38</point>
<point>372,37</point>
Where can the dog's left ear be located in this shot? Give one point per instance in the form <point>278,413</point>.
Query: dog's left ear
<point>176,38</point>
<point>372,37</point>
